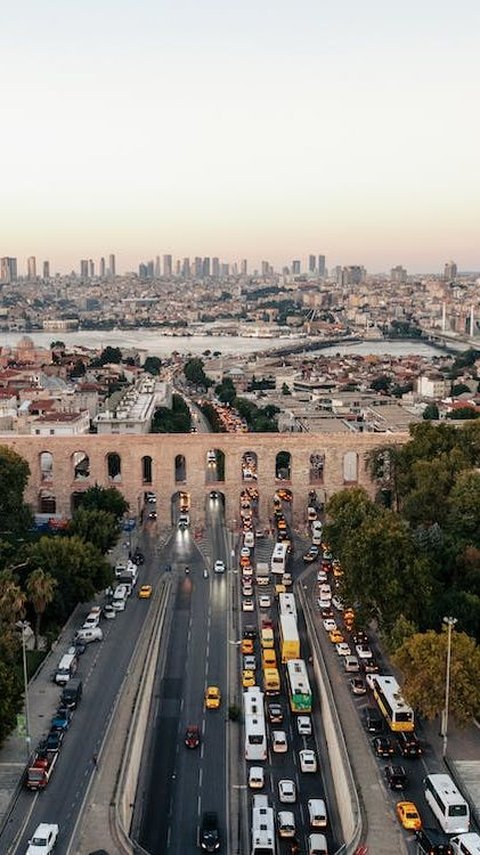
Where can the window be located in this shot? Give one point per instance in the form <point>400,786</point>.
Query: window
<point>114,466</point>
<point>350,467</point>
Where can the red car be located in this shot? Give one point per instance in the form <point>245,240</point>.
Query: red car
<point>192,736</point>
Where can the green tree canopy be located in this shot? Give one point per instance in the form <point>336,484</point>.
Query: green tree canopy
<point>194,373</point>
<point>152,365</point>
<point>15,516</point>
<point>97,527</point>
<point>40,592</point>
<point>464,507</point>
<point>107,499</point>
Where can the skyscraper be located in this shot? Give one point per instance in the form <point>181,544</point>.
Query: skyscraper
<point>398,274</point>
<point>167,265</point>
<point>111,265</point>
<point>84,268</point>
<point>265,268</point>
<point>450,272</point>
<point>32,268</point>
<point>91,268</point>
<point>206,267</point>
<point>8,269</point>
<point>215,268</point>
<point>46,270</point>
<point>198,267</point>
<point>157,267</point>
<point>312,263</point>
<point>186,268</point>
<point>244,267</point>
<point>296,267</point>
<point>178,267</point>
<point>102,268</point>
<point>321,265</point>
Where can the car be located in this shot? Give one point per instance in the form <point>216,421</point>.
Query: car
<point>304,725</point>
<point>372,720</point>
<point>248,605</point>
<point>285,824</point>
<point>308,760</point>
<point>246,645</point>
<point>274,712</point>
<point>256,777</point>
<point>370,666</point>
<point>311,555</point>
<point>351,664</point>
<point>209,835</point>
<point>247,572</point>
<point>213,494</point>
<point>109,613</point>
<point>337,603</point>
<point>363,651</point>
<point>383,746</point>
<point>192,736</point>
<point>250,631</point>
<point>91,621</point>
<point>219,566</point>
<point>213,698</point>
<point>325,591</point>
<point>152,515</point>
<point>343,649</point>
<point>264,601</point>
<point>54,740</point>
<point>357,686</point>
<point>324,603</point>
<point>80,646</point>
<point>62,719</point>
<point>287,791</point>
<point>43,840</point>
<point>249,662</point>
<point>247,588</point>
<point>336,637</point>
<point>396,777</point>
<point>287,580</point>
<point>329,625</point>
<point>248,678</point>
<point>145,592</point>
<point>245,552</point>
<point>326,612</point>
<point>408,816</point>
<point>360,637</point>
<point>279,742</point>
<point>322,577</point>
<point>409,744</point>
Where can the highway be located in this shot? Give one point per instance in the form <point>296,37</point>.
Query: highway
<point>181,783</point>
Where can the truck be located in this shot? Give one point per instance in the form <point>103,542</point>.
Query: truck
<point>289,638</point>
<point>39,771</point>
<point>262,573</point>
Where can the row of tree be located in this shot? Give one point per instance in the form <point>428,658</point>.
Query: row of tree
<point>412,557</point>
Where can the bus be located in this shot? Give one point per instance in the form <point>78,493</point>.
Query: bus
<point>271,681</point>
<point>255,732</point>
<point>398,714</point>
<point>287,604</point>
<point>299,691</point>
<point>447,803</point>
<point>263,827</point>
<point>279,559</point>
<point>289,638</point>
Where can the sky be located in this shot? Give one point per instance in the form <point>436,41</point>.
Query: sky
<point>259,130</point>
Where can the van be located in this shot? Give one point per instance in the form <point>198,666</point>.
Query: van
<point>92,620</point>
<point>88,635</point>
<point>317,813</point>
<point>466,844</point>
<point>317,537</point>
<point>119,600</point>
<point>351,664</point>
<point>317,525</point>
<point>249,539</point>
<point>66,669</point>
<point>317,844</point>
<point>72,693</point>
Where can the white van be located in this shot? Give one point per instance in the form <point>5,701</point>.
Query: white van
<point>317,536</point>
<point>317,813</point>
<point>66,669</point>
<point>88,635</point>
<point>466,844</point>
<point>249,539</point>
<point>119,600</point>
<point>317,844</point>
<point>92,620</point>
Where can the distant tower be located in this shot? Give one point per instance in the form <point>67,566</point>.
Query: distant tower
<point>216,268</point>
<point>111,265</point>
<point>312,263</point>
<point>186,268</point>
<point>178,267</point>
<point>167,265</point>
<point>102,268</point>
<point>450,272</point>
<point>244,267</point>
<point>198,267</point>
<point>32,268</point>
<point>150,269</point>
<point>265,268</point>
<point>8,269</point>
<point>398,274</point>
<point>444,316</point>
<point>157,267</point>
<point>321,265</point>
<point>46,270</point>
<point>84,268</point>
<point>206,268</point>
<point>296,267</point>
<point>91,268</point>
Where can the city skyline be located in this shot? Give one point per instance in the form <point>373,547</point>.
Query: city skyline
<point>252,135</point>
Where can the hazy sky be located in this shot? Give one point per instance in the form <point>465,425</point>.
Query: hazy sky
<point>254,129</point>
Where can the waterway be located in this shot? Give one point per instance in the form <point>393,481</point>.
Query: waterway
<point>158,344</point>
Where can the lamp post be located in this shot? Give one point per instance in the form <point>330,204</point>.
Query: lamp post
<point>23,625</point>
<point>449,623</point>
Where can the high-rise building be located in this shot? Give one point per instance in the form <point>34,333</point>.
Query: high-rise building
<point>244,267</point>
<point>111,265</point>
<point>167,265</point>
<point>353,274</point>
<point>312,263</point>
<point>91,268</point>
<point>216,268</point>
<point>450,271</point>
<point>46,270</point>
<point>142,271</point>
<point>321,265</point>
<point>398,274</point>
<point>102,268</point>
<point>157,267</point>
<point>84,268</point>
<point>32,268</point>
<point>198,267</point>
<point>265,268</point>
<point>8,269</point>
<point>296,267</point>
<point>206,268</point>
<point>150,269</point>
<point>178,267</point>
<point>186,268</point>
<point>225,270</point>
<point>234,269</point>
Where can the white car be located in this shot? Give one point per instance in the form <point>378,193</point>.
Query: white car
<point>324,602</point>
<point>279,742</point>
<point>322,576</point>
<point>247,572</point>
<point>308,760</point>
<point>43,840</point>
<point>329,624</point>
<point>343,649</point>
<point>248,605</point>
<point>287,791</point>
<point>249,662</point>
<point>287,579</point>
<point>256,778</point>
<point>325,592</point>
<point>219,566</point>
<point>304,725</point>
<point>286,823</point>
<point>247,588</point>
<point>363,651</point>
<point>264,601</point>
<point>245,552</point>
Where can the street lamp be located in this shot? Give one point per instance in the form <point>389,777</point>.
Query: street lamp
<point>449,623</point>
<point>23,625</point>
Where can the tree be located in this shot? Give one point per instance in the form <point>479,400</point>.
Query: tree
<point>104,499</point>
<point>11,691</point>
<point>464,413</point>
<point>226,391</point>
<point>422,660</point>
<point>346,511</point>
<point>12,599</point>
<point>15,516</point>
<point>97,527</point>
<point>152,365</point>
<point>286,389</point>
<point>178,419</point>
<point>459,389</point>
<point>111,356</point>
<point>381,384</point>
<point>195,373</point>
<point>464,505</point>
<point>431,413</point>
<point>40,592</point>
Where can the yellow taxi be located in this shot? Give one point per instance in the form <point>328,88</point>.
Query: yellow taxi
<point>213,698</point>
<point>282,524</point>
<point>335,636</point>
<point>145,592</point>
<point>246,645</point>
<point>337,569</point>
<point>248,678</point>
<point>409,816</point>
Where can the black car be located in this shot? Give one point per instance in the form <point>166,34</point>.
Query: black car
<point>430,841</point>
<point>80,647</point>
<point>249,631</point>
<point>54,740</point>
<point>370,666</point>
<point>209,833</point>
<point>372,720</point>
<point>409,745</point>
<point>360,637</point>
<point>274,712</point>
<point>383,746</point>
<point>396,777</point>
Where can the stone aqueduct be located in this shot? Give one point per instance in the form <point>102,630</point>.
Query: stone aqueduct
<point>62,467</point>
